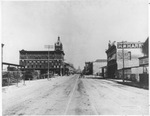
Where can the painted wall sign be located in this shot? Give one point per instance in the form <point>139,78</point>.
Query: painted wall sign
<point>129,45</point>
<point>127,55</point>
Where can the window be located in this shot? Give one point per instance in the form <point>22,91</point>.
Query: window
<point>129,55</point>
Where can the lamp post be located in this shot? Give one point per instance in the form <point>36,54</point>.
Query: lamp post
<point>48,47</point>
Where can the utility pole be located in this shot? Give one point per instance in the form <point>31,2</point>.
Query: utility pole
<point>48,63</point>
<point>2,45</point>
<point>48,47</point>
<point>123,60</point>
<point>2,55</point>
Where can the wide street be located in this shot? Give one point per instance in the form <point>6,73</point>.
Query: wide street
<point>71,95</point>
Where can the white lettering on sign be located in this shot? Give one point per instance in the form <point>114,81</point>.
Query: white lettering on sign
<point>129,45</point>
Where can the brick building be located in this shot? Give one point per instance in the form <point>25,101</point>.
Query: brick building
<point>39,60</point>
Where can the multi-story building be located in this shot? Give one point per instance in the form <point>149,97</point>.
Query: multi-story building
<point>111,60</point>
<point>69,68</point>
<point>44,60</point>
<point>124,57</point>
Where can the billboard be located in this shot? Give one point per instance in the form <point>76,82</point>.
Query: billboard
<point>129,45</point>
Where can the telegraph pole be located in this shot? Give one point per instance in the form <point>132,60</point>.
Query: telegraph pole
<point>48,46</point>
<point>48,63</point>
<point>2,45</point>
<point>123,60</point>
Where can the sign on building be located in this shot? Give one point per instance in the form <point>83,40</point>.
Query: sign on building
<point>127,55</point>
<point>129,45</point>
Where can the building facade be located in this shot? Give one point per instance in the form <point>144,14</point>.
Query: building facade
<point>44,60</point>
<point>124,57</point>
<point>111,60</point>
<point>131,52</point>
<point>97,66</point>
<point>144,63</point>
<point>69,68</point>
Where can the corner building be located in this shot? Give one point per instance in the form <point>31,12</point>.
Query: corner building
<point>130,52</point>
<point>38,60</point>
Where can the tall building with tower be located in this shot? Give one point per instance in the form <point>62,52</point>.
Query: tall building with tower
<point>44,61</point>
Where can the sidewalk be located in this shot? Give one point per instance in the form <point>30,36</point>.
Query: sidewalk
<point>120,81</point>
<point>130,83</point>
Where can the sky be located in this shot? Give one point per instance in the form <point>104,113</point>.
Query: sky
<point>84,26</point>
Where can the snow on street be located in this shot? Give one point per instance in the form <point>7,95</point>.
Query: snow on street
<point>71,95</point>
<point>110,98</point>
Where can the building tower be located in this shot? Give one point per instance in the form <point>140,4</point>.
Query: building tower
<point>58,45</point>
<point>59,56</point>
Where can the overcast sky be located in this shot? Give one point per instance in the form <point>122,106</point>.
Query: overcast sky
<point>85,27</point>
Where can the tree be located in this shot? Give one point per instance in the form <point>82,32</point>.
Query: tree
<point>28,75</point>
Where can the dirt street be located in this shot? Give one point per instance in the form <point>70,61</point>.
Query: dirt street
<point>71,95</point>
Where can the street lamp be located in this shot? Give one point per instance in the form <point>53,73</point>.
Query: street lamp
<point>48,47</point>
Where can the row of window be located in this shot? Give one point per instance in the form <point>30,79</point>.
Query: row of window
<point>39,61</point>
<point>42,66</point>
<point>41,56</point>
